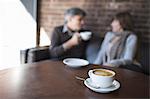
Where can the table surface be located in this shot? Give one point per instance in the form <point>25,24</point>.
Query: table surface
<point>54,80</point>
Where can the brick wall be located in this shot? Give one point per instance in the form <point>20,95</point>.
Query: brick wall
<point>99,13</point>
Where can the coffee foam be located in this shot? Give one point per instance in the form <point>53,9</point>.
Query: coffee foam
<point>102,73</point>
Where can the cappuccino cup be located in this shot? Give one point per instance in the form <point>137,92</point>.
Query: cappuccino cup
<point>102,77</point>
<point>85,35</point>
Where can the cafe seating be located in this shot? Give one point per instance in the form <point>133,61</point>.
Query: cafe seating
<point>36,54</point>
<point>145,57</point>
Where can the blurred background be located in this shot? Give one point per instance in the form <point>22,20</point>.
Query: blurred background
<point>29,23</point>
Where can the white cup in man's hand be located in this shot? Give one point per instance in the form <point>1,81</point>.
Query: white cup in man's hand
<point>85,35</point>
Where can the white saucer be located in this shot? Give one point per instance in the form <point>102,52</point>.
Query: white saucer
<point>75,62</point>
<point>114,86</point>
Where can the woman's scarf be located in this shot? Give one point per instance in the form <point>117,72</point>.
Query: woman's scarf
<point>115,46</point>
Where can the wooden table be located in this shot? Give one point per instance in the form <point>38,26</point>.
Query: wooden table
<point>54,80</point>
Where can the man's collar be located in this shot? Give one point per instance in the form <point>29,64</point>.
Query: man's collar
<point>65,29</point>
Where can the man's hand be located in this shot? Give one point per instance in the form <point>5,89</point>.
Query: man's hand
<point>75,40</point>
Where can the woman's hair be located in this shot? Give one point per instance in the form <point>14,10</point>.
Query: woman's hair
<point>125,20</point>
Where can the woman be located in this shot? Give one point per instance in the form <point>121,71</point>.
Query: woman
<point>119,46</point>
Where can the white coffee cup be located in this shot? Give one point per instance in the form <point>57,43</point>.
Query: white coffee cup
<point>85,35</point>
<point>102,77</point>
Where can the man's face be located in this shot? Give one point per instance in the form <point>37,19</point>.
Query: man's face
<point>76,22</point>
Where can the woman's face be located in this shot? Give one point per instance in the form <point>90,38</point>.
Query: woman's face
<point>116,27</point>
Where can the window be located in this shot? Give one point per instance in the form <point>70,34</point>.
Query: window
<point>17,30</point>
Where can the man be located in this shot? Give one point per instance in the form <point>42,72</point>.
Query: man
<point>66,40</point>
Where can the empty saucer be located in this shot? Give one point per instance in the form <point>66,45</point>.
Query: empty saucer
<point>75,62</point>
<point>114,86</point>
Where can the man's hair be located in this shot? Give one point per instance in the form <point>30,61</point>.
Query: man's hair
<point>74,11</point>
